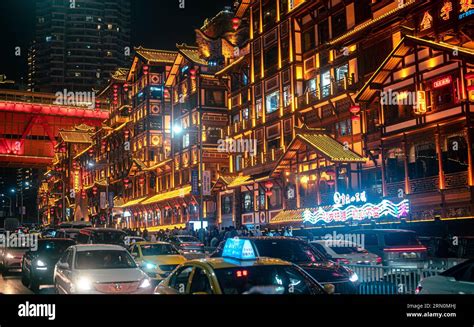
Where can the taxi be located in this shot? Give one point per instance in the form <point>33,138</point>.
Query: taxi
<point>156,259</point>
<point>240,271</point>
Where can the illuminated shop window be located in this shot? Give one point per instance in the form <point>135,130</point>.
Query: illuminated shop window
<point>272,102</point>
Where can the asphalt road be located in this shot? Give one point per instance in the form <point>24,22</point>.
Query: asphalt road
<point>11,284</point>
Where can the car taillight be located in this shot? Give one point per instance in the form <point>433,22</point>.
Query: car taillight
<point>185,244</point>
<point>418,289</point>
<point>342,260</point>
<point>378,260</point>
<point>406,249</point>
<point>242,273</point>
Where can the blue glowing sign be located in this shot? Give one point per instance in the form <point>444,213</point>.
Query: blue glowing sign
<point>236,248</point>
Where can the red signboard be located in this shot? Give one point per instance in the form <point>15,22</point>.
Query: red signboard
<point>446,80</point>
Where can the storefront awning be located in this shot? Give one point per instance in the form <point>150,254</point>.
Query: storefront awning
<point>132,203</point>
<point>322,143</point>
<point>168,195</point>
<point>395,58</point>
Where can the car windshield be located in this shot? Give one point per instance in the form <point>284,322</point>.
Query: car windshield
<point>158,249</point>
<point>54,247</point>
<point>187,239</point>
<point>347,250</point>
<point>265,280</point>
<point>401,238</point>
<point>109,237</point>
<point>104,259</point>
<point>292,251</point>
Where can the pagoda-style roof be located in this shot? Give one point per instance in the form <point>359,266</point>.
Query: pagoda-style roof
<point>120,74</point>
<point>156,56</point>
<point>75,137</point>
<point>191,53</point>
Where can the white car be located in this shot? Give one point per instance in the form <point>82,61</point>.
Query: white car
<point>346,253</point>
<point>456,280</point>
<point>99,269</point>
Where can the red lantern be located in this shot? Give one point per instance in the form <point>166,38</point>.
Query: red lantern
<point>141,180</point>
<point>355,118</point>
<point>115,86</point>
<point>94,190</point>
<point>125,87</point>
<point>235,23</point>
<point>269,185</point>
<point>331,182</point>
<point>192,73</point>
<point>354,110</point>
<point>167,207</point>
<point>145,70</point>
<point>268,193</point>
<point>331,172</point>
<point>83,194</point>
<point>470,88</point>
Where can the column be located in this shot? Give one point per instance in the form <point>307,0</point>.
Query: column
<point>382,168</point>
<point>405,165</point>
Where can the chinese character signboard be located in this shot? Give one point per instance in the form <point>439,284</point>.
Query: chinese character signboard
<point>194,182</point>
<point>206,182</point>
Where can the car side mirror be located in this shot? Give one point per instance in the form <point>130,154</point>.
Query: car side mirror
<point>329,288</point>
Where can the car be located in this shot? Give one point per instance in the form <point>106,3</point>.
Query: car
<point>398,248</point>
<point>187,243</point>
<point>240,271</point>
<point>99,269</point>
<point>71,233</point>
<point>456,280</point>
<point>75,224</point>
<point>11,258</point>
<point>101,236</point>
<point>299,252</point>
<point>157,259</point>
<point>129,240</point>
<point>346,253</point>
<point>38,265</point>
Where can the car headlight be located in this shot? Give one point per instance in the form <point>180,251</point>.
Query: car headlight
<point>9,256</point>
<point>149,265</point>
<point>84,284</point>
<point>354,278</point>
<point>145,283</point>
<point>40,263</point>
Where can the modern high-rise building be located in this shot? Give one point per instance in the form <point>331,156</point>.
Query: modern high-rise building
<point>78,44</point>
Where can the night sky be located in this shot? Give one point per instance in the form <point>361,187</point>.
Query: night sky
<point>155,24</point>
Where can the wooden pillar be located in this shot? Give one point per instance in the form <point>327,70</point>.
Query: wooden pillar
<point>470,169</point>
<point>318,181</point>
<point>439,153</point>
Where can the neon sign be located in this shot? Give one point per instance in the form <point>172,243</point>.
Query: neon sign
<point>466,9</point>
<point>446,10</point>
<point>427,22</point>
<point>367,211</point>
<point>344,199</point>
<point>442,82</point>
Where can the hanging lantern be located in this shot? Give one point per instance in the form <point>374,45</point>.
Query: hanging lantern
<point>94,190</point>
<point>268,193</point>
<point>192,73</point>
<point>145,70</point>
<point>141,180</point>
<point>470,76</point>
<point>470,88</point>
<point>354,109</point>
<point>331,182</point>
<point>115,87</point>
<point>125,87</point>
<point>83,194</point>
<point>355,118</point>
<point>235,23</point>
<point>97,104</point>
<point>167,207</point>
<point>331,172</point>
<point>268,185</point>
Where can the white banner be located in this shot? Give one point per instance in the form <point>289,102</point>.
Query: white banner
<point>206,182</point>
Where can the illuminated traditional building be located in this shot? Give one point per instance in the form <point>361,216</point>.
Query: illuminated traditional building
<point>293,90</point>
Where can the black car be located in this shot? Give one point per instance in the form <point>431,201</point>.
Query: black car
<point>38,265</point>
<point>101,236</point>
<point>304,255</point>
<point>187,243</point>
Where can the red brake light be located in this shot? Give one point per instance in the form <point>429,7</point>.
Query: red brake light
<point>342,260</point>
<point>242,273</point>
<point>406,249</point>
<point>378,260</point>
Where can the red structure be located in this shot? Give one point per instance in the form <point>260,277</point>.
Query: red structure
<point>30,123</point>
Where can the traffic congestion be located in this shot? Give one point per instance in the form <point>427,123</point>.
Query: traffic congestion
<point>78,258</point>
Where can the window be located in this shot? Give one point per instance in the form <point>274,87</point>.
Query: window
<point>325,84</point>
<point>256,21</point>
<point>247,204</point>
<point>275,198</point>
<point>444,96</point>
<point>373,55</point>
<point>455,154</point>
<point>215,98</point>
<point>272,102</point>
<point>309,39</point>
<point>287,98</point>
<point>342,72</point>
<point>363,10</point>
<point>245,114</point>
<point>269,13</point>
<point>226,205</point>
<point>423,162</point>
<point>180,280</point>
<point>200,282</point>
<point>271,58</point>
<point>235,118</point>
<point>323,31</point>
<point>238,162</point>
<point>339,25</point>
<point>344,128</point>
<point>258,108</point>
<point>186,140</point>
<point>395,166</point>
